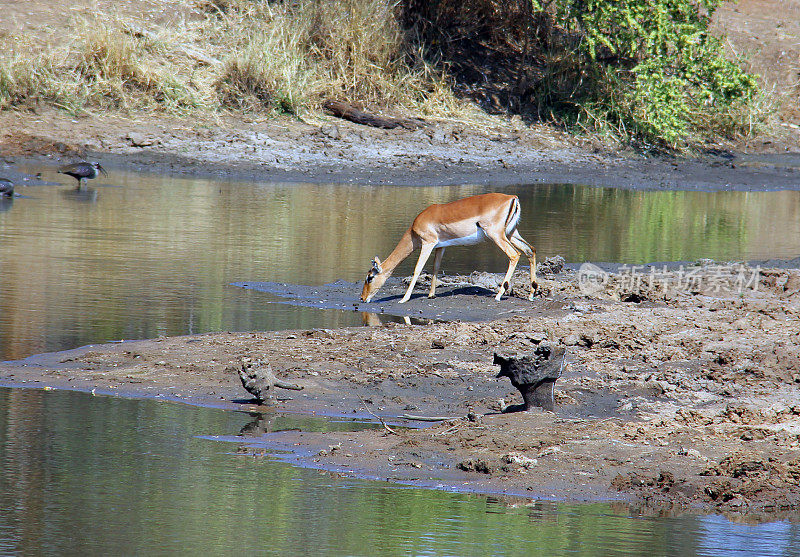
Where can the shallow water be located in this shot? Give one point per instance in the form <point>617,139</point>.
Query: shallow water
<point>103,475</point>
<point>141,255</point>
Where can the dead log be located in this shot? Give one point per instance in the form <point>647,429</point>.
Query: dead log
<point>347,111</point>
<point>534,376</point>
<point>258,380</point>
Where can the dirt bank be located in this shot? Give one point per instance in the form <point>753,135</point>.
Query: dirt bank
<point>681,389</point>
<point>330,151</point>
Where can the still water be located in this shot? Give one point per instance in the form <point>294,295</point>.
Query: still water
<point>139,256</point>
<point>84,475</point>
<point>143,255</point>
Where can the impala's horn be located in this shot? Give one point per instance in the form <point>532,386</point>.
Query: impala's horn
<point>376,265</point>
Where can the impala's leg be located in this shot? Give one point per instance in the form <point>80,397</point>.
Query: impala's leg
<point>513,258</point>
<point>530,252</point>
<point>424,254</point>
<point>437,260</point>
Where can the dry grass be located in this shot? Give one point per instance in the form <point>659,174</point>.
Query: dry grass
<point>104,66</point>
<point>295,55</point>
<point>245,55</point>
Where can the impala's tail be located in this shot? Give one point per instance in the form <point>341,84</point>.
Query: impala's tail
<point>514,213</point>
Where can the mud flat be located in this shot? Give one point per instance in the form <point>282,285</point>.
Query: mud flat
<point>335,151</point>
<point>681,388</point>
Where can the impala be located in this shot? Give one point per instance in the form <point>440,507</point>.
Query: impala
<point>460,223</point>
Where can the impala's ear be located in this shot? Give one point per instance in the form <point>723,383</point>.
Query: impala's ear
<point>376,265</point>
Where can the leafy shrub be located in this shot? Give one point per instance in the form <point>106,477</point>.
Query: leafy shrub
<point>643,70</point>
<point>672,75</point>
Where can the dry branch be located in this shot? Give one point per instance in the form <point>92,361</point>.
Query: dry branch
<point>347,111</point>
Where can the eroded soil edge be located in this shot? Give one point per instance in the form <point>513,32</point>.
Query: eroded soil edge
<point>675,395</point>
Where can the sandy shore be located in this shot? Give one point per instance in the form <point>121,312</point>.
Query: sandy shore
<point>675,394</point>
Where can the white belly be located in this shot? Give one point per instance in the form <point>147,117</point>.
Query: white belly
<point>476,238</point>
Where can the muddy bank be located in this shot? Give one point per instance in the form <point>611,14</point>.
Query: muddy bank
<point>480,288</point>
<point>333,151</point>
<point>675,394</point>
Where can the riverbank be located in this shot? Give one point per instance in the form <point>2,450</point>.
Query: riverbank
<point>331,151</point>
<point>680,393</point>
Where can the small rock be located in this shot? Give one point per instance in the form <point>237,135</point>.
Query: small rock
<point>653,388</point>
<point>572,340</point>
<point>537,337</point>
<point>140,140</point>
<point>331,130</point>
<point>694,453</point>
<point>519,458</point>
<point>477,465</point>
<point>549,451</point>
<point>551,265</point>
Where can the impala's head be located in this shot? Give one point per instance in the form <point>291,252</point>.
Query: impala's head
<point>375,279</point>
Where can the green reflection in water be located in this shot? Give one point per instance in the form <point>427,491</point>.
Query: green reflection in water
<point>151,255</point>
<point>91,475</point>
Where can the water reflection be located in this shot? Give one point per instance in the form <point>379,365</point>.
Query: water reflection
<point>264,422</point>
<point>369,319</point>
<point>90,475</point>
<point>81,195</point>
<point>155,255</point>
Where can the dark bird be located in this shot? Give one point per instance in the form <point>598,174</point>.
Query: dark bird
<point>258,380</point>
<point>82,171</point>
<point>6,188</point>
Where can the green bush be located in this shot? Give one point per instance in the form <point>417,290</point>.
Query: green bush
<point>646,71</point>
<point>655,73</point>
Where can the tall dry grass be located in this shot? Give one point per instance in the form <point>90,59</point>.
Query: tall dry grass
<point>105,65</point>
<point>244,55</point>
<point>292,55</point>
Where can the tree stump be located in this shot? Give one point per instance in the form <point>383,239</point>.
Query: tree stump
<point>258,380</point>
<point>534,376</point>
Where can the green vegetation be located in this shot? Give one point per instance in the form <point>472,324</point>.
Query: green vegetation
<point>642,71</point>
<point>655,72</point>
<point>646,71</point>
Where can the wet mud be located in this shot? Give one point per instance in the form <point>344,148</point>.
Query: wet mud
<point>674,395</point>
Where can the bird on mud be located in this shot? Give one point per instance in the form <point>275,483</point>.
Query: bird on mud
<point>6,188</point>
<point>82,171</point>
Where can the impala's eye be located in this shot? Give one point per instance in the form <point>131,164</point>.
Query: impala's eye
<point>370,277</point>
